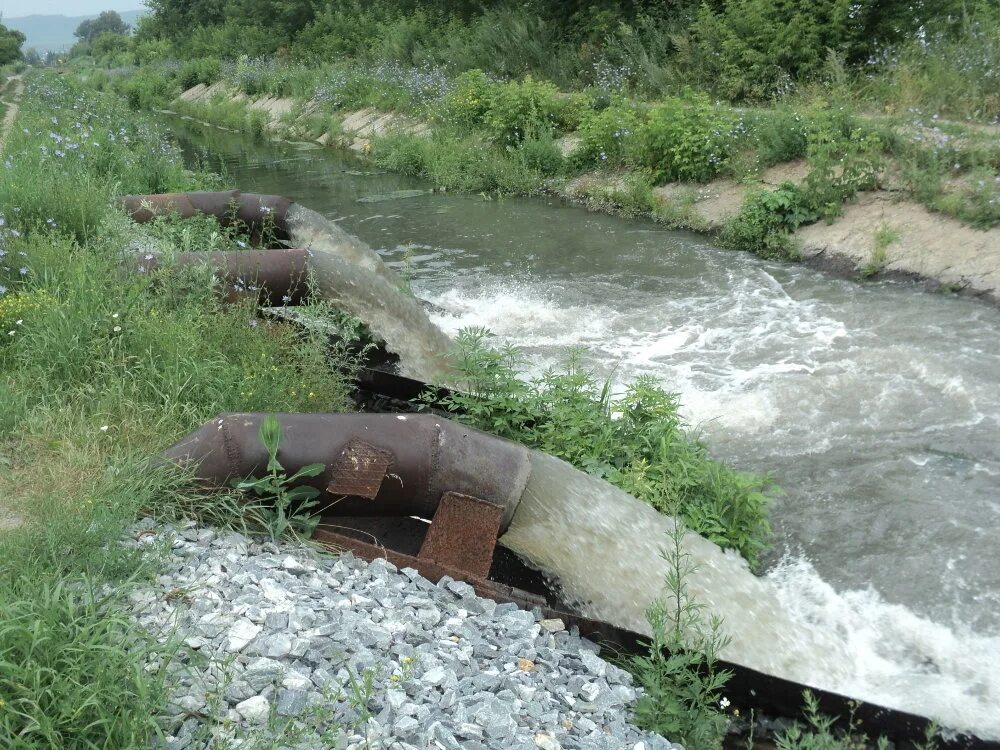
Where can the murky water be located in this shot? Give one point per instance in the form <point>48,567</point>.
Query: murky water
<point>876,407</point>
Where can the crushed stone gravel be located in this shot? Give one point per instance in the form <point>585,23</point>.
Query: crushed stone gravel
<point>285,647</point>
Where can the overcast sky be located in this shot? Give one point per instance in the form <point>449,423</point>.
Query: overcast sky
<point>16,8</point>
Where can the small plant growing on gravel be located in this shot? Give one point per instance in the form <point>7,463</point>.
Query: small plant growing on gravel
<point>680,675</point>
<point>290,502</point>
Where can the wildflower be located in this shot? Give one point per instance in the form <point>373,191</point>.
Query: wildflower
<point>147,256</point>
<point>117,329</point>
<point>724,703</point>
<point>114,315</point>
<point>23,270</point>
<point>286,298</point>
<point>104,428</point>
<point>3,289</point>
<point>252,323</point>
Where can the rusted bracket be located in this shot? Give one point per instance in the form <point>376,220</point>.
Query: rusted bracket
<point>463,534</point>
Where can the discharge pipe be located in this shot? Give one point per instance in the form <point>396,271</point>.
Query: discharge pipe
<point>339,266</point>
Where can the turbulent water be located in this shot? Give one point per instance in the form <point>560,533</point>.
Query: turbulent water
<point>609,551</point>
<point>876,407</point>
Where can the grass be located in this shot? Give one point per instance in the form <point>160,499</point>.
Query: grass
<point>100,369</point>
<point>885,236</point>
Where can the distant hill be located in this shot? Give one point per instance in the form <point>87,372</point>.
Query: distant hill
<point>55,33</point>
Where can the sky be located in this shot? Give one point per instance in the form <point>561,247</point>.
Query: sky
<point>16,8</point>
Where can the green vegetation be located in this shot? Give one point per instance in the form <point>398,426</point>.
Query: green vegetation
<point>10,45</point>
<point>680,673</point>
<point>286,507</point>
<point>636,441</point>
<point>862,96</point>
<point>884,236</point>
<point>100,369</point>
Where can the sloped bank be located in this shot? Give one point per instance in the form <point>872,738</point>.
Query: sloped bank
<point>927,246</point>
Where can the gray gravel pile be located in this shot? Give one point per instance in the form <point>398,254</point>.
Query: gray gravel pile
<point>289,648</point>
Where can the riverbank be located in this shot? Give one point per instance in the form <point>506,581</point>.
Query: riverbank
<point>879,231</point>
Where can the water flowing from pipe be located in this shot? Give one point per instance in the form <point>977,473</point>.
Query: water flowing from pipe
<point>605,551</point>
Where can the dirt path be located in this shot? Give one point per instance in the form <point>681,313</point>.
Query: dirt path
<point>13,95</point>
<point>9,520</point>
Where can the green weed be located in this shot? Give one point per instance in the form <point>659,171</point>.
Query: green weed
<point>287,505</point>
<point>885,235</point>
<point>637,441</point>
<point>679,673</point>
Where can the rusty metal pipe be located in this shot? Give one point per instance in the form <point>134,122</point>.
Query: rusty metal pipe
<point>279,277</point>
<point>346,271</point>
<point>227,206</point>
<point>377,464</point>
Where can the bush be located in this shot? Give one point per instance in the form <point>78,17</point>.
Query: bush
<point>206,70</point>
<point>470,98</point>
<point>646,450</point>
<point>780,134</point>
<point>522,109</point>
<point>765,220</point>
<point>543,156</point>
<point>149,88</point>
<point>456,163</point>
<point>685,138</point>
<point>606,135</point>
<point>839,165</point>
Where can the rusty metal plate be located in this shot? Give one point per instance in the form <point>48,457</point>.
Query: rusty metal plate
<point>463,534</point>
<point>359,470</point>
<point>432,571</point>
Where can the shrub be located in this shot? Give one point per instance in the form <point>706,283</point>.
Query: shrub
<point>149,88</point>
<point>456,163</point>
<point>606,135</point>
<point>522,109</point>
<point>765,220</point>
<point>543,156</point>
<point>685,138</point>
<point>780,134</point>
<point>646,450</point>
<point>839,165</point>
<point>978,201</point>
<point>469,100</point>
<point>206,70</point>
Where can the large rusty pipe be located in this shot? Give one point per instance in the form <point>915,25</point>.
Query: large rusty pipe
<point>279,277</point>
<point>376,464</point>
<point>345,270</point>
<point>228,207</point>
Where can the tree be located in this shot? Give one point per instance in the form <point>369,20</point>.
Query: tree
<point>109,22</point>
<point>10,45</point>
